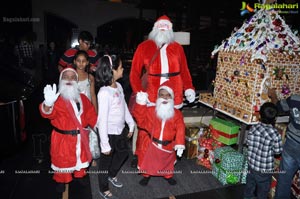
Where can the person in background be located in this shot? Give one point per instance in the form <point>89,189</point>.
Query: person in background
<point>68,111</point>
<point>85,40</point>
<point>51,71</point>
<point>165,130</point>
<point>264,142</point>
<point>25,51</point>
<point>111,123</point>
<point>162,59</point>
<point>290,159</point>
<point>86,81</point>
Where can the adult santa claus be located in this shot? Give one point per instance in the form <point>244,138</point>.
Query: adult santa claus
<point>165,130</point>
<point>164,60</point>
<point>68,111</point>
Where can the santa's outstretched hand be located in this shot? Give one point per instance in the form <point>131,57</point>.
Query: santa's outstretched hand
<point>50,95</point>
<point>190,95</point>
<point>141,98</point>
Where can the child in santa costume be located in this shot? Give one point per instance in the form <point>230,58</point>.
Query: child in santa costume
<point>165,131</point>
<point>69,150</point>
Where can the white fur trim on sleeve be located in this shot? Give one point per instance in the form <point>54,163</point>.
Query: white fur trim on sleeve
<point>178,146</point>
<point>46,112</point>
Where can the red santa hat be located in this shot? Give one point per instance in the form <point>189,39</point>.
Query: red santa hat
<point>167,86</point>
<point>68,69</point>
<point>163,23</point>
<point>164,17</point>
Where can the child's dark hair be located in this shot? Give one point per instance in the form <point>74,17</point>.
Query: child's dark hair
<point>85,36</point>
<point>268,112</point>
<point>104,72</point>
<point>85,54</point>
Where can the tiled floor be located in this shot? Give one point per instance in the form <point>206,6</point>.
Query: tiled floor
<point>21,181</point>
<point>230,192</point>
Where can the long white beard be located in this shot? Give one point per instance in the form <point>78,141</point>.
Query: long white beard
<point>164,111</point>
<point>161,37</point>
<point>69,90</point>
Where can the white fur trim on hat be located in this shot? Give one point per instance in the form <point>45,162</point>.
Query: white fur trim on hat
<point>163,25</point>
<point>167,89</point>
<point>68,69</point>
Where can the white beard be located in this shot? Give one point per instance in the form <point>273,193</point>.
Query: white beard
<point>161,37</point>
<point>164,111</point>
<point>69,92</point>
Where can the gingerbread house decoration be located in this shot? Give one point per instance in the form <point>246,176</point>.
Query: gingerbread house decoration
<point>263,53</point>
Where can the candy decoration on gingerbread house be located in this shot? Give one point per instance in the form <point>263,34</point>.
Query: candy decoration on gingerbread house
<point>263,53</point>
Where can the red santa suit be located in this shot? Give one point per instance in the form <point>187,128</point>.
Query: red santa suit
<point>165,64</point>
<point>68,152</point>
<point>170,64</point>
<point>165,134</point>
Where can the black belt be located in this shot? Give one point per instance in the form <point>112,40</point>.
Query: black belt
<point>167,75</point>
<point>163,142</point>
<point>70,132</point>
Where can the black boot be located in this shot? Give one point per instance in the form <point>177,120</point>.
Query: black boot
<point>144,181</point>
<point>84,181</point>
<point>134,161</point>
<point>171,181</point>
<point>60,187</point>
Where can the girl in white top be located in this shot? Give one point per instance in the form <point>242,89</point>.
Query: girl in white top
<point>86,81</point>
<point>113,114</point>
